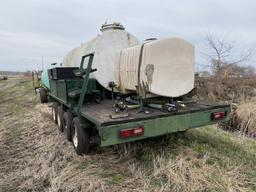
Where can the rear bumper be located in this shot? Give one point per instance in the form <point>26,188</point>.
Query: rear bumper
<point>160,126</point>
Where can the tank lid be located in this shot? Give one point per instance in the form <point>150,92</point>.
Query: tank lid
<point>114,25</point>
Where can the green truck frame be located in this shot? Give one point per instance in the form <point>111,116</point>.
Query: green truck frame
<point>88,123</point>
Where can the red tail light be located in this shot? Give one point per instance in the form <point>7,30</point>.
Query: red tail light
<point>124,133</point>
<point>218,115</point>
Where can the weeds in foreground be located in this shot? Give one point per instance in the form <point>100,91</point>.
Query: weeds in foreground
<point>205,159</point>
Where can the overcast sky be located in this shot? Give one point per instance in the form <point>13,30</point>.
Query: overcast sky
<point>30,29</point>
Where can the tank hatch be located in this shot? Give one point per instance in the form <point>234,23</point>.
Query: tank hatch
<point>114,25</point>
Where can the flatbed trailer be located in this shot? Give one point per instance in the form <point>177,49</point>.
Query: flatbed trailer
<point>89,118</point>
<point>155,123</point>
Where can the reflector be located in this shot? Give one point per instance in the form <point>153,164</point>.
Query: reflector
<point>124,133</point>
<point>218,115</point>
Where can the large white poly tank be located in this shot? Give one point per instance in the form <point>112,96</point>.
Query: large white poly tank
<point>162,67</point>
<point>104,46</point>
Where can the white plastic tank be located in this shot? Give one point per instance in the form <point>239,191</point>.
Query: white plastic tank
<point>162,67</point>
<point>113,38</point>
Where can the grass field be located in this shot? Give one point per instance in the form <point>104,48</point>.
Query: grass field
<point>34,155</point>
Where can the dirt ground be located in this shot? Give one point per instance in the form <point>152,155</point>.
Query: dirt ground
<point>35,156</point>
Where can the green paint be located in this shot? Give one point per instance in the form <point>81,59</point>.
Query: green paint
<point>85,82</point>
<point>60,89</point>
<point>159,126</point>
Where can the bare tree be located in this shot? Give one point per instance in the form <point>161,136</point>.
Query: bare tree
<point>221,51</point>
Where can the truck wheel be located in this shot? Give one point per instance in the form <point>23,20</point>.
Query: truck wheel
<point>43,95</point>
<point>54,112</point>
<point>68,125</point>
<point>80,138</point>
<point>60,118</point>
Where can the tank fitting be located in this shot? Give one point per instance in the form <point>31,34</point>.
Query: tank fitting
<point>114,25</point>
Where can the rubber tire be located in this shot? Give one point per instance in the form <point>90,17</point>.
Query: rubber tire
<point>83,139</point>
<point>68,125</point>
<point>60,118</point>
<point>43,95</point>
<point>54,112</point>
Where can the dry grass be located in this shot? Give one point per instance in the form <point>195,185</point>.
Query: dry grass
<point>198,161</point>
<point>243,118</point>
<point>181,174</point>
<point>233,89</point>
<point>34,156</point>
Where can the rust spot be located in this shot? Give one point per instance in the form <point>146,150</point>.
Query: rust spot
<point>149,73</point>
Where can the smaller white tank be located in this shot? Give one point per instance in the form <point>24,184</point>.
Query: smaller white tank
<point>161,67</point>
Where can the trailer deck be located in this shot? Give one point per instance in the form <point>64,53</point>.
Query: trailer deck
<point>99,113</point>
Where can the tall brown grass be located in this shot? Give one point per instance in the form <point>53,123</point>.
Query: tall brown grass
<point>217,89</point>
<point>243,118</point>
